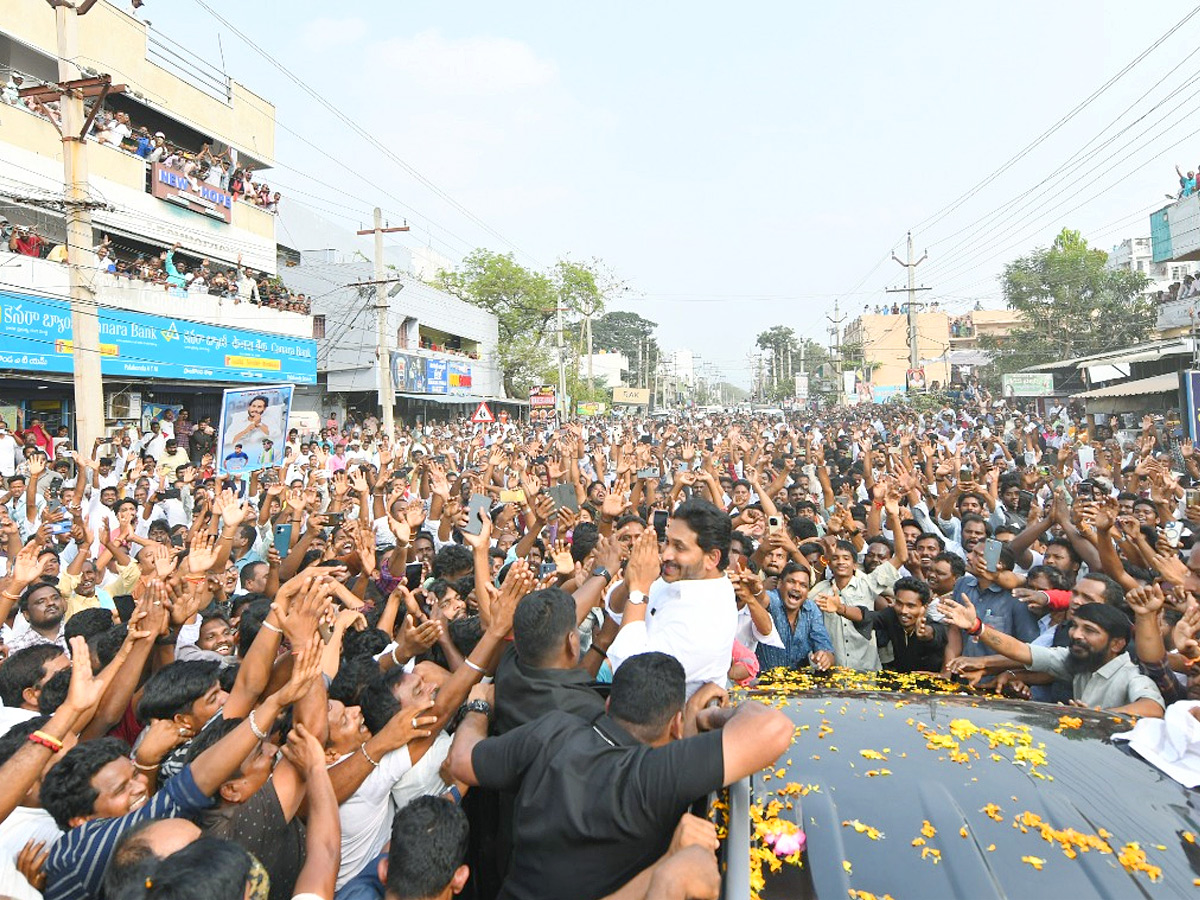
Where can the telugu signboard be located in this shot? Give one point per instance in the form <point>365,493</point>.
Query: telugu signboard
<point>172,186</point>
<point>1028,384</point>
<point>35,336</point>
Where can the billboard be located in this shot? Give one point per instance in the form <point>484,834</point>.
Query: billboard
<point>175,188</point>
<point>631,396</point>
<point>35,336</point>
<point>460,377</point>
<point>408,373</point>
<point>437,376</point>
<point>1028,384</point>
<point>590,408</point>
<point>542,402</point>
<point>253,428</point>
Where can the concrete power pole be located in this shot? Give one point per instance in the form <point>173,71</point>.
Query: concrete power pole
<point>85,312</point>
<point>914,352</point>
<point>835,332</point>
<point>387,390</point>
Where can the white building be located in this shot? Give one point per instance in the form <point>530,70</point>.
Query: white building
<point>1174,312</point>
<point>158,345</point>
<point>609,369</point>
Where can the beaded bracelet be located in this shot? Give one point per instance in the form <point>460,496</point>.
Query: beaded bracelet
<point>49,741</point>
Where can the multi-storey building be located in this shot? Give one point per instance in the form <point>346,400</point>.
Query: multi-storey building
<point>159,343</point>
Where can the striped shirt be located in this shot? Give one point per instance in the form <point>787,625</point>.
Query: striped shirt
<point>75,867</point>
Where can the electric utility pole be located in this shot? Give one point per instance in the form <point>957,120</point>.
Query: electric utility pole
<point>387,389</point>
<point>70,92</point>
<point>914,353</point>
<point>835,345</point>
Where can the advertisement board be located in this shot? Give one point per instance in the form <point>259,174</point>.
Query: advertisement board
<point>631,396</point>
<point>253,428</point>
<point>172,186</point>
<point>1028,384</point>
<point>437,376</point>
<point>35,336</point>
<point>590,408</point>
<point>542,401</point>
<point>408,373</point>
<point>460,377</point>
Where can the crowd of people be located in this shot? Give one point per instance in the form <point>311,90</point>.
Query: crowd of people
<point>164,270</point>
<point>498,660</point>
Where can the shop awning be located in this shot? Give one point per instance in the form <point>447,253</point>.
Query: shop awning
<point>1167,383</point>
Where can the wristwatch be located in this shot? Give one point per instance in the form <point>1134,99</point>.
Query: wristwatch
<point>478,706</point>
<point>637,598</point>
<point>602,572</point>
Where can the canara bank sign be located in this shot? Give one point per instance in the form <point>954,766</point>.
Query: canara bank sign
<point>192,194</point>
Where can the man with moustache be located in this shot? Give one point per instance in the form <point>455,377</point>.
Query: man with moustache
<point>1096,663</point>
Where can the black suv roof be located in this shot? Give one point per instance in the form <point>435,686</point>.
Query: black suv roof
<point>915,793</point>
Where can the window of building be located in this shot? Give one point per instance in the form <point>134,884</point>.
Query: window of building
<point>318,327</point>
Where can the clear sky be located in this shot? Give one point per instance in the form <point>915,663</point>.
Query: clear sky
<point>738,168</point>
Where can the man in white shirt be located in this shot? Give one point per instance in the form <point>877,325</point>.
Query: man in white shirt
<point>690,611</point>
<point>9,451</point>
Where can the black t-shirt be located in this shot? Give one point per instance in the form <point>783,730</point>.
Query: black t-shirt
<point>909,654</point>
<point>594,806</point>
<point>524,694</point>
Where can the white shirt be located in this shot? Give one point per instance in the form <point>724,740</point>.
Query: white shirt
<point>694,621</point>
<point>8,454</point>
<point>23,824</point>
<point>748,635</point>
<point>367,814</point>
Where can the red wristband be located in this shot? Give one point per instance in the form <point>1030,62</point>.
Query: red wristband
<point>976,628</point>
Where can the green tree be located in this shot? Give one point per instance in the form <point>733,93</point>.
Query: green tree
<point>1070,304</point>
<point>780,342</point>
<point>524,304</point>
<point>626,332</point>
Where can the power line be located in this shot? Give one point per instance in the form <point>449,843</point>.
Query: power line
<point>364,134</point>
<point>953,205</point>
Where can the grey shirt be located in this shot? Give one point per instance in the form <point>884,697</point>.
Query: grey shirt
<point>854,643</point>
<point>1116,683</point>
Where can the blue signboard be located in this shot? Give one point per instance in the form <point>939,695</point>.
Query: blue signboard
<point>1191,389</point>
<point>35,336</point>
<point>437,374</point>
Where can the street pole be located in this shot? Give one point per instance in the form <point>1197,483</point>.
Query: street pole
<point>85,312</point>
<point>562,369</point>
<point>591,384</point>
<point>914,352</point>
<point>383,353</point>
<point>835,331</point>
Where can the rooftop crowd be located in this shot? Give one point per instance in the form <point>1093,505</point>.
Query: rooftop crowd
<point>497,660</point>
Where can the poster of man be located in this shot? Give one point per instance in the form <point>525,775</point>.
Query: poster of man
<point>253,428</point>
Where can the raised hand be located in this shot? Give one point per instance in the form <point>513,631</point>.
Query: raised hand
<point>413,639</point>
<point>159,739</point>
<point>306,669</point>
<point>644,565</point>
<point>961,613</point>
<point>164,560</point>
<point>563,562</point>
<point>1145,600</point>
<point>202,552</point>
<point>1183,635</point>
<point>519,582</point>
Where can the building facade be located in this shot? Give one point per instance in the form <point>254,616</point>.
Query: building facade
<point>885,352</point>
<point>163,344</point>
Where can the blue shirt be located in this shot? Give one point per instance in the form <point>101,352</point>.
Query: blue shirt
<point>75,867</point>
<point>809,635</point>
<point>997,608</point>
